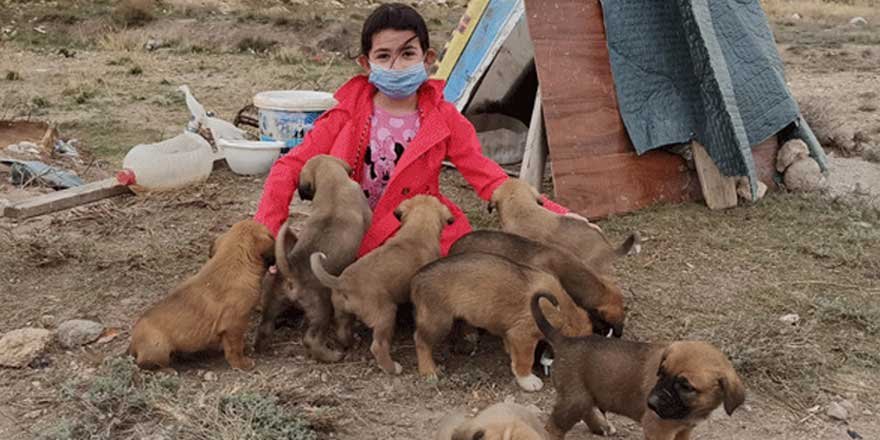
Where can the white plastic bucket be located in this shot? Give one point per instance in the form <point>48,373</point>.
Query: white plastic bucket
<point>287,115</point>
<point>250,157</point>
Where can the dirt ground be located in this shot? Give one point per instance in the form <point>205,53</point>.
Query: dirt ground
<point>725,277</point>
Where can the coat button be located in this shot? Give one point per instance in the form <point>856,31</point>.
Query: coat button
<point>405,191</point>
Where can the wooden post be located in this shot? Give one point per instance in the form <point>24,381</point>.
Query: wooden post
<point>535,155</point>
<point>719,190</point>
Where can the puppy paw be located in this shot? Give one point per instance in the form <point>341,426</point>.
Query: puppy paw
<point>431,378</point>
<point>397,368</point>
<point>244,363</point>
<point>530,383</point>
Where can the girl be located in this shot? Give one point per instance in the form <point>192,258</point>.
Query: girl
<point>392,125</point>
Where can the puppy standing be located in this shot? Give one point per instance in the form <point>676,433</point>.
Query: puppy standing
<point>668,388</point>
<point>340,217</point>
<point>501,421</point>
<point>212,308</point>
<point>372,287</point>
<point>520,211</point>
<point>489,292</point>
<point>592,291</point>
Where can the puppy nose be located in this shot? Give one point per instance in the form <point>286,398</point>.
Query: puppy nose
<point>653,402</point>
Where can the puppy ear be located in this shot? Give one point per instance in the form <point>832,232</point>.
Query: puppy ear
<point>734,391</point>
<point>479,435</point>
<point>662,365</point>
<point>306,190</point>
<point>490,207</point>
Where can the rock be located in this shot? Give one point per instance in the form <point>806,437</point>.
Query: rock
<point>153,44</point>
<point>848,406</point>
<point>858,21</point>
<point>48,321</point>
<point>791,152</point>
<point>836,411</point>
<point>804,176</point>
<point>791,318</point>
<point>76,332</point>
<point>210,376</point>
<point>795,16</point>
<point>744,190</point>
<point>19,347</point>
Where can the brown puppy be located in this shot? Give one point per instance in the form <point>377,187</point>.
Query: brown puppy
<point>490,292</point>
<point>501,421</point>
<point>340,217</point>
<point>373,286</point>
<point>596,293</point>
<point>520,211</point>
<point>211,309</point>
<point>668,388</point>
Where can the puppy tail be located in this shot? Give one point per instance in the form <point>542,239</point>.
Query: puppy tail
<point>317,260</point>
<point>284,243</point>
<point>632,245</point>
<point>551,333</point>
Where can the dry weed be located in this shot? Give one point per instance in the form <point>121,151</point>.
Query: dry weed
<point>823,10</point>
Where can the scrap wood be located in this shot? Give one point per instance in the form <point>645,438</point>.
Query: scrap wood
<point>65,199</point>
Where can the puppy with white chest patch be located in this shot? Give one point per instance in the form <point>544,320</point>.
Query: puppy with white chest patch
<point>375,285</point>
<point>592,291</point>
<point>340,218</point>
<point>489,292</point>
<point>211,309</point>
<point>668,388</point>
<point>520,211</point>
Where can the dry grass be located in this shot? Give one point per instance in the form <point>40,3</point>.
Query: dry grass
<point>823,10</point>
<point>133,13</point>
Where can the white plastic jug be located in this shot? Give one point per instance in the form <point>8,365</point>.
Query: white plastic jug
<point>172,163</point>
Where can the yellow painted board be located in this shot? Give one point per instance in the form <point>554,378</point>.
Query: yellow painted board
<point>460,36</point>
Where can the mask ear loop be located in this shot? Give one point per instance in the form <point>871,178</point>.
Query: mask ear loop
<point>397,51</point>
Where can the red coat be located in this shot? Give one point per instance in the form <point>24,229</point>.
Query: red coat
<point>344,130</point>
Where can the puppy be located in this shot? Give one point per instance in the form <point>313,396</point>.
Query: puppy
<point>520,211</point>
<point>211,309</point>
<point>668,388</point>
<point>373,286</point>
<point>490,292</point>
<point>340,217</point>
<point>596,293</point>
<point>501,421</point>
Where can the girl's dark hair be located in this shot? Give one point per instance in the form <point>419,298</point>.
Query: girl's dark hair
<point>397,16</point>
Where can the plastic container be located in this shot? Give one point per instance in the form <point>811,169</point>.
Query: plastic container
<point>287,115</point>
<point>250,157</point>
<point>172,163</point>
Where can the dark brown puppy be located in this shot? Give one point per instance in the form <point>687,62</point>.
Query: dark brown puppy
<point>668,388</point>
<point>375,285</point>
<point>519,208</point>
<point>340,217</point>
<point>596,293</point>
<point>211,309</point>
<point>489,292</point>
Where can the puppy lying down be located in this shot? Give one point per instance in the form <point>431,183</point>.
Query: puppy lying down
<point>211,309</point>
<point>668,388</point>
<point>501,421</point>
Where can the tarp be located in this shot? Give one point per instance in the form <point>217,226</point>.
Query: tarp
<point>705,70</point>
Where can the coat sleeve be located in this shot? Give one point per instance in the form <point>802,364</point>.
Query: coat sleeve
<point>483,174</point>
<point>283,178</point>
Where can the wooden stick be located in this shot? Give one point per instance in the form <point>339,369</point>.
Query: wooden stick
<point>535,155</point>
<point>65,199</point>
<point>718,190</point>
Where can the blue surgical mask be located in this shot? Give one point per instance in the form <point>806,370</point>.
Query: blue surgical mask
<point>398,84</point>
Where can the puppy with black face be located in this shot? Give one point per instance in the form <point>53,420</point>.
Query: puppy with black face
<point>668,388</point>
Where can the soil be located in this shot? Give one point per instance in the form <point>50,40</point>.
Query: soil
<point>110,260</point>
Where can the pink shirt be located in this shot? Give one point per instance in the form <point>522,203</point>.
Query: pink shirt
<point>389,137</point>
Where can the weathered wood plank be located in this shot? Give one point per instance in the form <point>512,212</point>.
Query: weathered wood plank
<point>719,191</point>
<point>65,199</point>
<point>535,155</point>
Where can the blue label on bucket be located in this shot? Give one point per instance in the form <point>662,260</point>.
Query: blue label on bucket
<point>286,126</point>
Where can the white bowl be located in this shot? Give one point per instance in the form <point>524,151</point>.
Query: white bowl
<point>250,157</point>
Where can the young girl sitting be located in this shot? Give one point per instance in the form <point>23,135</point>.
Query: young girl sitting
<point>392,125</point>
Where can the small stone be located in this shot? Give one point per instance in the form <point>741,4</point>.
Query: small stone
<point>848,406</point>
<point>76,332</point>
<point>47,321</point>
<point>791,318</point>
<point>19,347</point>
<point>867,412</point>
<point>836,411</point>
<point>804,176</point>
<point>795,16</point>
<point>865,225</point>
<point>791,152</point>
<point>744,190</point>
<point>36,384</point>
<point>210,376</point>
<point>324,377</point>
<point>858,21</point>
<point>33,414</point>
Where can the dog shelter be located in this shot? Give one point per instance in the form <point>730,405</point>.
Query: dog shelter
<point>633,102</point>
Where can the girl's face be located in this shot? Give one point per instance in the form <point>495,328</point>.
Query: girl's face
<point>393,49</point>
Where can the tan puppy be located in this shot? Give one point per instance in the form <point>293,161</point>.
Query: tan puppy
<point>490,292</point>
<point>520,211</point>
<point>211,309</point>
<point>373,286</point>
<point>501,421</point>
<point>596,293</point>
<point>340,217</point>
<point>668,388</point>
